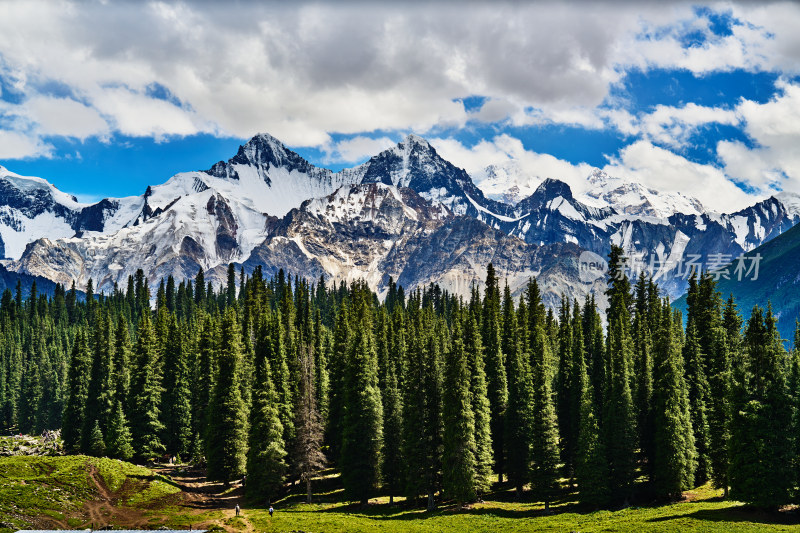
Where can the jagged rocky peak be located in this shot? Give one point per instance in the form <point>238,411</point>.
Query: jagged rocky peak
<point>373,202</point>
<point>262,152</point>
<point>633,198</point>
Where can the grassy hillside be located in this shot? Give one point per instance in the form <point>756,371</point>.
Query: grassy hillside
<point>76,491</point>
<point>778,282</point>
<point>81,492</point>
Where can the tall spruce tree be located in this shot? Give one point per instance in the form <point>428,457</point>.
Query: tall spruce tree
<point>619,415</point>
<point>760,445</point>
<point>591,468</point>
<point>697,387</point>
<point>227,415</point>
<point>118,438</point>
<point>362,436</point>
<point>177,408</point>
<point>459,468</point>
<point>480,405</point>
<point>519,413</point>
<point>495,362</point>
<point>266,454</point>
<point>146,390</point>
<point>77,393</point>
<point>675,458</point>
<point>544,438</point>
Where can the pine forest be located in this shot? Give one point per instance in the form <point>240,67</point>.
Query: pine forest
<point>420,395</point>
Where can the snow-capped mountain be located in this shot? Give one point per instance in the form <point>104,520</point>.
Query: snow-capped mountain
<point>405,213</point>
<point>373,231</point>
<point>31,208</point>
<point>629,198</point>
<point>415,164</point>
<point>507,182</point>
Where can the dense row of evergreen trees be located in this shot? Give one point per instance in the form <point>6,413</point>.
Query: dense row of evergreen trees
<point>419,395</point>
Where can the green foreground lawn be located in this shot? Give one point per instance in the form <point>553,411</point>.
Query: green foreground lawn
<point>63,487</point>
<point>706,514</point>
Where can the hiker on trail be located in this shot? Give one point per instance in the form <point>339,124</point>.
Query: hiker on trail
<point>271,510</point>
<point>237,509</point>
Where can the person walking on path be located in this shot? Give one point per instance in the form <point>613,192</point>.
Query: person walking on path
<point>271,510</point>
<point>237,509</point>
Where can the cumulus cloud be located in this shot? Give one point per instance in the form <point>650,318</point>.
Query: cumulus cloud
<point>356,149</point>
<point>673,125</point>
<point>505,149</point>
<point>664,170</point>
<point>15,145</point>
<point>302,71</point>
<point>641,162</point>
<point>774,127</point>
<point>65,117</point>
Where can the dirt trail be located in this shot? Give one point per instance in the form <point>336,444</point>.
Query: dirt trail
<point>197,496</point>
<point>106,509</point>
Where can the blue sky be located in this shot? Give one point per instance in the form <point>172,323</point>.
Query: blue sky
<point>703,99</point>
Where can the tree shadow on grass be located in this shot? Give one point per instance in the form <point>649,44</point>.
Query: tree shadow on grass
<point>738,514</point>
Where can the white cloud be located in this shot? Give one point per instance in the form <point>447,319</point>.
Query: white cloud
<point>15,145</point>
<point>642,162</point>
<point>673,125</point>
<point>301,71</point>
<point>138,115</point>
<point>356,149</point>
<point>774,126</point>
<point>504,149</point>
<point>663,170</point>
<point>65,117</point>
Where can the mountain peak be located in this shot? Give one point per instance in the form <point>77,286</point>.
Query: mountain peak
<point>413,139</point>
<point>262,152</point>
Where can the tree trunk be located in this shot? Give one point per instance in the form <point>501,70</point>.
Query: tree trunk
<point>391,499</point>
<point>431,501</point>
<point>725,492</point>
<point>308,489</point>
<point>519,492</point>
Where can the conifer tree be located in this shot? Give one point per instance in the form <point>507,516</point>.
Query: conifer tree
<point>77,392</point>
<point>392,467</point>
<point>266,455</point>
<point>121,362</point>
<point>336,399</point>
<point>591,468</point>
<point>544,438</point>
<point>459,468</point>
<point>760,445</point>
<point>675,458</point>
<point>519,413</point>
<point>227,422</point>
<point>118,437</point>
<point>146,390</point>
<point>619,416</point>
<point>727,345</point>
<point>309,458</point>
<point>362,437</point>
<point>203,380</point>
<point>96,446</point>
<point>177,396</point>
<point>480,405</point>
<point>495,362</point>
<point>100,395</point>
<point>697,386</point>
